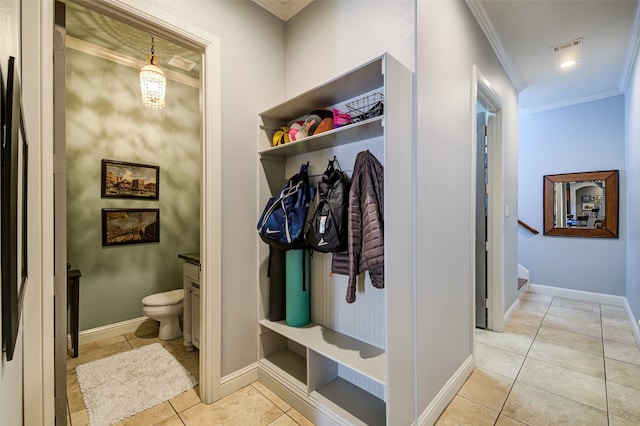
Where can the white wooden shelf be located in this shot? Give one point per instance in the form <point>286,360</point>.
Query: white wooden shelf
<point>363,358</point>
<point>351,402</point>
<point>288,363</point>
<point>341,136</point>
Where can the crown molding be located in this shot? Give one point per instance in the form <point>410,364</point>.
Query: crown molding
<point>283,9</point>
<point>631,54</point>
<point>542,108</point>
<point>492,36</point>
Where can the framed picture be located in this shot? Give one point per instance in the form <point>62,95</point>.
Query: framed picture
<point>13,223</point>
<point>587,206</point>
<point>129,180</point>
<point>585,198</point>
<point>130,226</point>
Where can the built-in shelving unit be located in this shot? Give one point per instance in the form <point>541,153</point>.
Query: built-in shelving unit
<point>331,370</point>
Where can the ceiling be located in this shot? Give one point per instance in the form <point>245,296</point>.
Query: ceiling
<point>521,32</point>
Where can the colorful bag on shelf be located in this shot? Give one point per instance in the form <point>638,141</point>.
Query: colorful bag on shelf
<point>281,224</point>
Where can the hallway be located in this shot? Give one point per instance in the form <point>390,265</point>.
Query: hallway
<point>559,361</point>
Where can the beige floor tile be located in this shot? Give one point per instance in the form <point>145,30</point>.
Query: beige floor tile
<point>171,421</point>
<point>617,322</point>
<point>508,421</point>
<point>487,389</point>
<point>93,352</point>
<point>80,418</point>
<point>579,305</point>
<point>533,305</point>
<point>461,411</point>
<point>561,381</point>
<point>150,416</point>
<point>299,418</point>
<point>529,317</point>
<point>537,297</point>
<point>185,400</point>
<point>620,335</point>
<point>516,343</point>
<point>244,407</point>
<point>280,403</point>
<point>611,311</point>
<point>534,406</point>
<point>498,361</point>
<point>574,315</point>
<point>623,373</point>
<point>283,420</point>
<point>590,327</point>
<point>571,340</point>
<point>622,352</point>
<point>624,402</point>
<point>572,359</point>
<point>619,421</point>
<point>516,326</point>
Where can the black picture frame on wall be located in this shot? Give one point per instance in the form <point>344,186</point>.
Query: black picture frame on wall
<point>130,226</point>
<point>120,179</point>
<point>13,222</point>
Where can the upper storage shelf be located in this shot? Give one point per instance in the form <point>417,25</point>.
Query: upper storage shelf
<point>359,81</point>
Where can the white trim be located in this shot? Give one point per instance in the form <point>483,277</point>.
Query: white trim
<point>512,310</point>
<point>107,331</point>
<point>482,91</point>
<point>631,53</point>
<point>547,107</point>
<point>437,406</point>
<point>127,61</point>
<point>635,326</point>
<point>283,9</point>
<point>239,379</point>
<point>588,296</point>
<point>494,40</point>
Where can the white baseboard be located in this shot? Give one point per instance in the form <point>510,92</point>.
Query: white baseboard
<point>437,406</point>
<point>635,325</point>
<point>512,310</point>
<point>107,331</point>
<point>239,379</point>
<point>587,296</point>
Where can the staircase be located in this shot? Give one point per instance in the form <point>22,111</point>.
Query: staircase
<point>523,276</point>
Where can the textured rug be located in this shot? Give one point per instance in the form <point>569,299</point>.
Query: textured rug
<point>122,385</point>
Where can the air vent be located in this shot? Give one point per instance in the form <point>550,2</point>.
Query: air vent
<point>182,63</point>
<point>567,45</point>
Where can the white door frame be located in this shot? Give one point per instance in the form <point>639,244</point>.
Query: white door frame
<point>483,92</point>
<point>39,385</point>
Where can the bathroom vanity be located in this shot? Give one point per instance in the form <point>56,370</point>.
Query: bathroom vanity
<point>191,285</point>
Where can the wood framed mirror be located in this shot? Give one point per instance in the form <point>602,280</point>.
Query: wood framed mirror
<point>581,204</point>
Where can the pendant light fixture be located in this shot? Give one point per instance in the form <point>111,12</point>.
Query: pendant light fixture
<point>152,82</point>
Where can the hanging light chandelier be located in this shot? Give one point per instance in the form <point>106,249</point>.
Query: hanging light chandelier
<point>152,82</point>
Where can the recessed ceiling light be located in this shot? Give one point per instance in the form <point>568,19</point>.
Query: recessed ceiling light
<point>568,64</point>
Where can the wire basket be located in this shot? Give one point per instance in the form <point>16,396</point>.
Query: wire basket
<point>366,107</point>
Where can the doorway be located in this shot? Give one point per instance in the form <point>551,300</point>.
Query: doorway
<point>488,200</point>
<point>208,47</point>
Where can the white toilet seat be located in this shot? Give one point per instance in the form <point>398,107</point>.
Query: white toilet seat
<point>166,308</point>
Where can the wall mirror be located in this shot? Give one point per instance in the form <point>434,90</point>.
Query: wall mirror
<point>581,204</point>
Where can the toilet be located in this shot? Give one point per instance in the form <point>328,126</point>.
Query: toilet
<point>166,308</point>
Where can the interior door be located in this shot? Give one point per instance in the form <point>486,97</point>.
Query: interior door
<point>482,213</point>
<point>60,216</point>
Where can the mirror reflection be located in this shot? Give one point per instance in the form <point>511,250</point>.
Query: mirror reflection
<point>581,204</point>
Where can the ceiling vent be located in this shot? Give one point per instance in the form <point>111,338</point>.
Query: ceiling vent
<point>182,63</point>
<point>567,45</point>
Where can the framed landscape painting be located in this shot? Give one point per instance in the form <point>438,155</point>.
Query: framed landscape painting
<point>129,180</point>
<point>130,226</point>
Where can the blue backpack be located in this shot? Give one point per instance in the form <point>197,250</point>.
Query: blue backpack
<point>281,224</point>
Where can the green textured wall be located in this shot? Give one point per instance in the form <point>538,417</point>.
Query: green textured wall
<point>106,120</point>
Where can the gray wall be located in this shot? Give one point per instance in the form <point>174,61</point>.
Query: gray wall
<point>632,147</point>
<point>450,42</point>
<point>252,75</point>
<point>106,120</point>
<point>579,138</point>
<point>10,372</point>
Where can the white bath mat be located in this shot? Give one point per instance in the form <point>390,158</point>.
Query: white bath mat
<point>122,385</point>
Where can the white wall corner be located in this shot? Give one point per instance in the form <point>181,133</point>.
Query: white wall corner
<point>239,379</point>
<point>437,406</point>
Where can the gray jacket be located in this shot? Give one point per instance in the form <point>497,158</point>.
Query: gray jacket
<point>365,249</point>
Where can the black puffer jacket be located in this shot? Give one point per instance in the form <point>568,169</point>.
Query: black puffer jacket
<point>365,250</point>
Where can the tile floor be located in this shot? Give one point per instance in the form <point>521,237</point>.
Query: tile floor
<point>559,362</point>
<point>251,405</point>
